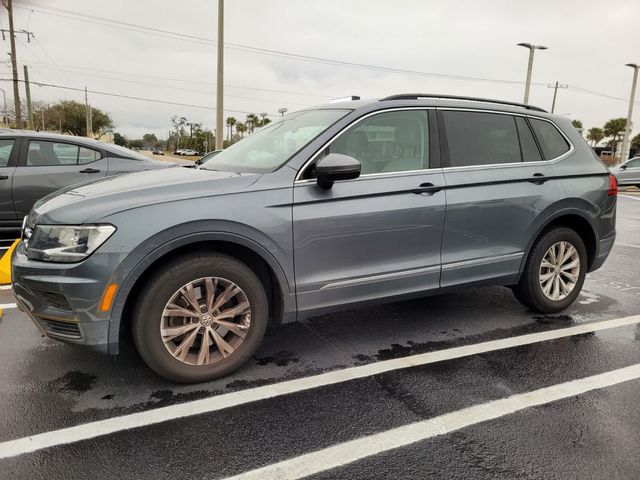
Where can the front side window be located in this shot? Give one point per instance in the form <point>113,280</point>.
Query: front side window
<point>6,146</point>
<point>273,145</point>
<point>550,139</point>
<point>387,142</point>
<point>477,138</point>
<point>45,153</point>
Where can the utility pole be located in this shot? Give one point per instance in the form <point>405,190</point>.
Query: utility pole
<point>87,112</point>
<point>14,66</point>
<point>532,49</point>
<point>191,125</point>
<point>28,91</point>
<point>555,93</point>
<point>42,114</point>
<point>627,131</point>
<point>220,79</point>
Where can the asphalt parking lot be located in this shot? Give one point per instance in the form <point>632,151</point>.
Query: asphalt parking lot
<point>464,385</point>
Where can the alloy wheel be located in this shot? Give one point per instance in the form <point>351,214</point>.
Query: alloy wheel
<point>559,271</point>
<point>205,321</point>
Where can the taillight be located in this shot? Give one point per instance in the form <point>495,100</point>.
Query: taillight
<point>613,186</point>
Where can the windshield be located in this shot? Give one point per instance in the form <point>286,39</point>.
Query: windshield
<point>273,145</point>
<point>129,153</point>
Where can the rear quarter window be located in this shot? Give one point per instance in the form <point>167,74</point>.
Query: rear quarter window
<point>551,141</point>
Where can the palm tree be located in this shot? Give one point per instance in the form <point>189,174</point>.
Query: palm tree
<point>241,128</point>
<point>231,121</point>
<point>252,122</point>
<point>614,128</point>
<point>595,135</point>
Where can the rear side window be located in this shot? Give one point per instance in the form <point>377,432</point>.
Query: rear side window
<point>530,152</point>
<point>6,146</point>
<point>550,139</point>
<point>44,153</point>
<point>477,138</point>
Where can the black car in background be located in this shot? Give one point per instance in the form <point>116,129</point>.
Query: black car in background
<point>33,165</point>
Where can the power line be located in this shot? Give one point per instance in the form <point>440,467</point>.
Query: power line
<point>130,97</point>
<point>263,51</point>
<point>76,69</point>
<point>279,102</point>
<point>47,10</point>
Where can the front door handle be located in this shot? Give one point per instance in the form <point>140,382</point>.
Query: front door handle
<point>4,177</point>
<point>538,179</point>
<point>428,188</point>
<point>90,170</point>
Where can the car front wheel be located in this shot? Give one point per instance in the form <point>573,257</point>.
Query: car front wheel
<point>200,318</point>
<point>554,273</point>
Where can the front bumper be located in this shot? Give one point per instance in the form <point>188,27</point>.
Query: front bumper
<point>63,299</point>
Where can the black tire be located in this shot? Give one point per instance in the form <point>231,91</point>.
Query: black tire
<point>162,286</point>
<point>529,291</point>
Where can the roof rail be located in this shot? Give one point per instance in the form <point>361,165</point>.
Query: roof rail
<point>415,96</point>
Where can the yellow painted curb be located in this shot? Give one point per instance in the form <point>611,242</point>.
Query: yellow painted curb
<point>5,264</point>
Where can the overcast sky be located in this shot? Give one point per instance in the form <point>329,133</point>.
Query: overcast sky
<point>589,43</point>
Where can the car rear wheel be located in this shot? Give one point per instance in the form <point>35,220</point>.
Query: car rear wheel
<point>554,273</point>
<point>199,318</point>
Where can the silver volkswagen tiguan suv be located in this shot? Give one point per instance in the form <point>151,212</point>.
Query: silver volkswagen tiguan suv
<point>343,204</point>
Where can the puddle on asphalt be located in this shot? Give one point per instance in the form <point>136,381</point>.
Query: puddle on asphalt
<point>280,359</point>
<point>77,381</point>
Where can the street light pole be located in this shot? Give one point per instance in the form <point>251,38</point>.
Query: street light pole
<point>220,78</point>
<point>531,48</point>
<point>624,154</point>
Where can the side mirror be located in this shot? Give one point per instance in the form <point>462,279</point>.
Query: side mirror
<point>623,167</point>
<point>336,166</point>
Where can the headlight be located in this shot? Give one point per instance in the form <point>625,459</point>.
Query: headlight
<point>66,243</point>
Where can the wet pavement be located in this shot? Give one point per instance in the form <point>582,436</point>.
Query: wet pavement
<point>47,386</point>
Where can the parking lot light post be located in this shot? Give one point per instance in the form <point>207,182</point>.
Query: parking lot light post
<point>531,48</point>
<point>220,79</point>
<point>624,154</point>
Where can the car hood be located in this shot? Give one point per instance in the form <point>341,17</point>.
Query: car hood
<point>92,200</point>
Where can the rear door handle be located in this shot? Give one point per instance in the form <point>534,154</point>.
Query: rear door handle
<point>428,188</point>
<point>90,170</point>
<point>4,177</point>
<point>538,179</point>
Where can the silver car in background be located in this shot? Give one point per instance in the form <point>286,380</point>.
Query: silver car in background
<point>628,173</point>
<point>33,165</point>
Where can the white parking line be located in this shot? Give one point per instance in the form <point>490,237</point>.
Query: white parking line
<point>87,431</point>
<point>348,452</point>
<point>629,196</point>
<point>6,306</point>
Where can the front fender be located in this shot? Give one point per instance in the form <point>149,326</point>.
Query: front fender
<point>145,254</point>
